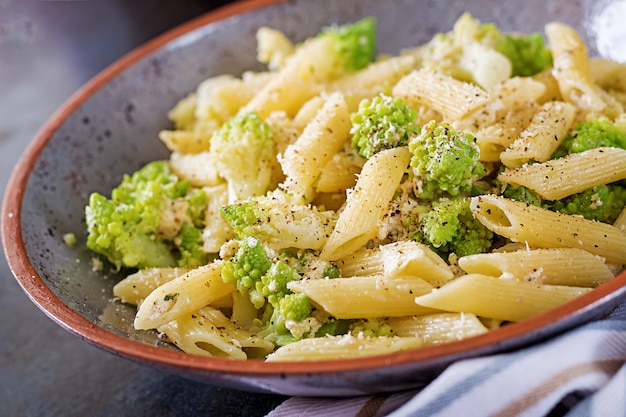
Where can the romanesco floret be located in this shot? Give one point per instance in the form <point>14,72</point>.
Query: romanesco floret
<point>382,123</point>
<point>152,220</point>
<point>444,161</point>
<point>246,269</point>
<point>278,318</point>
<point>354,45</point>
<point>528,54</point>
<point>376,327</point>
<point>449,227</point>
<point>281,221</point>
<point>600,132</point>
<point>603,203</point>
<point>243,150</point>
<point>309,266</point>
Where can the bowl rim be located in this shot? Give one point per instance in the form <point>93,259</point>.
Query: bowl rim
<point>510,336</point>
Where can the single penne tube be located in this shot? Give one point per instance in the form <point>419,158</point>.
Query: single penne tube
<point>452,98</point>
<point>404,258</point>
<point>542,228</point>
<point>187,142</point>
<point>377,75</point>
<point>574,173</point>
<point>189,292</point>
<point>549,126</point>
<point>342,347</point>
<point>369,297</point>
<point>608,74</point>
<point>438,328</point>
<point>304,160</point>
<point>495,138</point>
<point>207,332</point>
<point>563,266</point>
<point>137,286</point>
<point>367,202</point>
<point>498,298</point>
<point>571,67</point>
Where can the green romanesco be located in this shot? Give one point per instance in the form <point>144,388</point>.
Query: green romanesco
<point>528,54</point>
<point>382,123</point>
<point>246,268</point>
<point>243,150</point>
<point>353,45</point>
<point>376,327</point>
<point>153,219</point>
<point>444,161</point>
<point>449,227</point>
<point>597,133</point>
<point>281,221</point>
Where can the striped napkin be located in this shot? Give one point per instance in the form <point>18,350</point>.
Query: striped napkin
<point>579,373</point>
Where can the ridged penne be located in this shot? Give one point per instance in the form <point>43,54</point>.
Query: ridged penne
<point>571,67</point>
<point>438,328</point>
<point>207,332</point>
<point>304,160</point>
<point>184,294</point>
<point>498,298</point>
<point>549,126</point>
<point>370,297</point>
<point>137,286</point>
<point>367,202</point>
<point>563,266</point>
<point>342,347</point>
<point>542,228</point>
<point>451,98</point>
<point>574,173</point>
<point>406,258</point>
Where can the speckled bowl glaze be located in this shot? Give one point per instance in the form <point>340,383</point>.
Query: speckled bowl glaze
<point>110,127</point>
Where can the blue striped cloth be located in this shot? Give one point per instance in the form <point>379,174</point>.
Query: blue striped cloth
<point>579,373</point>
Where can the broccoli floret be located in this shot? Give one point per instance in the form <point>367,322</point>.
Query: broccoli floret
<point>353,45</point>
<point>444,161</point>
<point>382,123</point>
<point>449,227</point>
<point>528,54</point>
<point>153,219</point>
<point>243,151</point>
<point>600,132</point>
<point>602,203</point>
<point>281,221</point>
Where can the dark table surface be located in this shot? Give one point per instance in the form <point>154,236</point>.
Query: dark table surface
<point>48,49</point>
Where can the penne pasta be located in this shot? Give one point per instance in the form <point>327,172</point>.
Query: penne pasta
<point>438,328</point>
<point>564,266</point>
<point>406,258</point>
<point>137,286</point>
<point>367,202</point>
<point>542,228</point>
<point>184,294</point>
<point>498,298</point>
<point>304,160</point>
<point>370,297</point>
<point>207,332</point>
<point>571,68</point>
<point>574,173</point>
<point>549,126</point>
<point>451,98</point>
<point>342,347</point>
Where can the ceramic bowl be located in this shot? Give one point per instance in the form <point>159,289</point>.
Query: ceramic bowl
<point>110,126</point>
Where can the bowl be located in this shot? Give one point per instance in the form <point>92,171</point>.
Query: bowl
<point>110,127</point>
